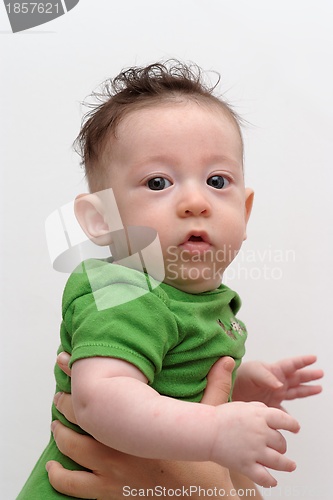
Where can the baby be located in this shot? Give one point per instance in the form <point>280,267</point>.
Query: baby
<point>144,328</point>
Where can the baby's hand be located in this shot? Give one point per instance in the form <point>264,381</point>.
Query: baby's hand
<point>251,441</point>
<point>274,383</point>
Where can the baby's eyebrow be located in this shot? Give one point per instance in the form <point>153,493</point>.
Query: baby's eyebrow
<point>208,160</point>
<point>165,159</point>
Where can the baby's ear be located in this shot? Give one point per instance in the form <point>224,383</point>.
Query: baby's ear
<point>89,212</point>
<point>249,195</point>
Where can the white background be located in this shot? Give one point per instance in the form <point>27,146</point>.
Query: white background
<point>275,58</point>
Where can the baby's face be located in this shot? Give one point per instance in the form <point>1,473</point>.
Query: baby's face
<point>177,168</point>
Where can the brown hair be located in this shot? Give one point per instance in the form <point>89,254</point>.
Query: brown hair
<point>136,88</point>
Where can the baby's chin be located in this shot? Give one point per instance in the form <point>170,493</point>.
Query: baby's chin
<point>194,286</point>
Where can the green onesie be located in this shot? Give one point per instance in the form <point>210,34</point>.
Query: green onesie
<point>173,337</point>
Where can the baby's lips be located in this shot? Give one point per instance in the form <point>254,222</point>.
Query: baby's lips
<point>197,235</point>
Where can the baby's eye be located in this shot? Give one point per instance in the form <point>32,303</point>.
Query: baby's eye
<point>158,183</point>
<point>217,181</point>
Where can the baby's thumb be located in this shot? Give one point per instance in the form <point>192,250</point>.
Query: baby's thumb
<point>219,382</point>
<point>268,379</point>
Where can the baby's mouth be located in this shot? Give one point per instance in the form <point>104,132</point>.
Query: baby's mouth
<point>195,238</point>
<point>196,243</point>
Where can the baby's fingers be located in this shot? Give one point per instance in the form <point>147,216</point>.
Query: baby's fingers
<point>276,441</point>
<point>277,419</point>
<point>260,475</point>
<point>277,461</point>
<point>303,391</point>
<point>273,460</point>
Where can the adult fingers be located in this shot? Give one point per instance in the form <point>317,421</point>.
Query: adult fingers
<point>219,382</point>
<point>78,484</point>
<point>63,403</point>
<point>83,449</point>
<point>63,360</point>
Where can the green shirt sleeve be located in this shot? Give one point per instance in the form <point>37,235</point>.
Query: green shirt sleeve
<point>109,311</point>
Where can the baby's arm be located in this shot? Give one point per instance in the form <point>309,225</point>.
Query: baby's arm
<point>111,470</point>
<point>241,436</point>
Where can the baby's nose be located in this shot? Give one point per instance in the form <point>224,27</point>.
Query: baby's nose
<point>194,204</point>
